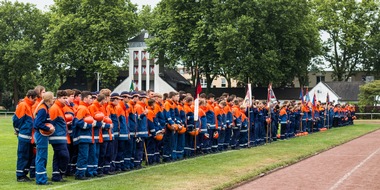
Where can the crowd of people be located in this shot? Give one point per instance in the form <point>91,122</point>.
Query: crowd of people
<point>103,133</point>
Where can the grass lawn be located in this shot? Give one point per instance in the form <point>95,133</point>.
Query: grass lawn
<point>216,171</point>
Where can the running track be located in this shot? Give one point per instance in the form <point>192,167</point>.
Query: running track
<point>353,165</point>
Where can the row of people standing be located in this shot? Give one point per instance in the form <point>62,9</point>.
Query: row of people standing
<point>106,133</point>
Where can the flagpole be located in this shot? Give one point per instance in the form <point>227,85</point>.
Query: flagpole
<point>249,117</point>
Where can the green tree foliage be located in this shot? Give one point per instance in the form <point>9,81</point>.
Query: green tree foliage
<point>266,41</point>
<point>372,52</point>
<point>88,35</point>
<point>347,24</point>
<point>22,27</point>
<point>368,94</point>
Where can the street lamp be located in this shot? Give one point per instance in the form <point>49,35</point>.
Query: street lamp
<point>98,75</point>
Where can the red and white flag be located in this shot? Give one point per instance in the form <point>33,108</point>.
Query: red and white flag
<point>198,90</point>
<point>248,96</point>
<point>271,97</point>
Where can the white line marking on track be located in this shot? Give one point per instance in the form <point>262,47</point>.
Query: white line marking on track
<point>341,180</point>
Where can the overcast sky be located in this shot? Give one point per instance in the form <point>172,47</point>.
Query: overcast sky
<point>42,4</point>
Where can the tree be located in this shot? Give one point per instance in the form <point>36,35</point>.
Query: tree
<point>267,41</point>
<point>90,36</point>
<point>347,24</point>
<point>183,31</point>
<point>368,94</point>
<point>22,26</point>
<point>372,52</point>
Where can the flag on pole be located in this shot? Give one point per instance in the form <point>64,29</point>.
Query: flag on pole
<point>131,88</point>
<point>314,101</point>
<point>271,97</point>
<point>307,95</point>
<point>198,90</point>
<point>301,96</point>
<point>248,96</point>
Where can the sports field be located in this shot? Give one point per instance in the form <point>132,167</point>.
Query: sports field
<point>216,171</point>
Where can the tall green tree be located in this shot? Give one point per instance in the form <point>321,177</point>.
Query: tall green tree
<point>346,24</point>
<point>183,31</point>
<point>89,35</point>
<point>22,27</point>
<point>372,51</point>
<point>267,41</point>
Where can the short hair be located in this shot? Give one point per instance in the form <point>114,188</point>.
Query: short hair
<point>203,95</point>
<point>61,93</point>
<point>210,95</point>
<point>77,92</point>
<point>231,98</point>
<point>85,94</point>
<point>188,99</point>
<point>223,103</point>
<point>31,94</point>
<point>151,102</point>
<point>158,95</point>
<point>70,92</point>
<point>165,96</point>
<point>172,94</point>
<point>100,97</point>
<point>105,91</point>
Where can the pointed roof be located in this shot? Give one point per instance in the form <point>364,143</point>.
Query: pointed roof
<point>348,91</point>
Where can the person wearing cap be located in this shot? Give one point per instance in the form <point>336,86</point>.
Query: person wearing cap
<point>124,136</point>
<point>23,125</point>
<point>141,129</point>
<point>113,111</point>
<point>96,156</point>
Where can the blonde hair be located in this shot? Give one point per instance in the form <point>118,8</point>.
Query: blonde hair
<point>47,97</point>
<point>105,91</point>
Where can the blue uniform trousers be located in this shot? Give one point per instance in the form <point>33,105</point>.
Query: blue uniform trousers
<point>24,158</point>
<point>139,152</point>
<point>83,150</point>
<point>121,154</point>
<point>157,150</point>
<point>243,137</point>
<point>150,148</point>
<point>60,161</point>
<point>128,160</point>
<point>105,157</point>
<point>221,139</point>
<point>235,138</point>
<point>41,158</point>
<point>73,153</point>
<point>168,147</point>
<point>115,164</point>
<point>93,158</point>
<point>227,137</point>
<point>180,146</point>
